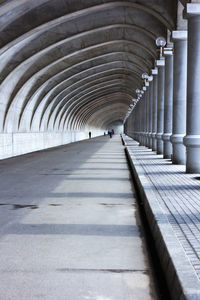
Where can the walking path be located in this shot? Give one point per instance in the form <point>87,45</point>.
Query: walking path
<point>172,198</point>
<point>69,228</point>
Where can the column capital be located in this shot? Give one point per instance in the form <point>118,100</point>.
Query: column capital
<point>191,10</point>
<point>178,35</point>
<point>160,62</point>
<point>154,71</point>
<point>168,51</point>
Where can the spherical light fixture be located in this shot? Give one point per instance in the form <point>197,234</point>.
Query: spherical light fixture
<point>137,91</point>
<point>160,41</point>
<point>145,76</point>
<point>150,78</point>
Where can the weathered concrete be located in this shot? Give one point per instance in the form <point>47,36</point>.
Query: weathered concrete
<point>192,138</point>
<point>69,227</point>
<point>64,62</point>
<point>155,102</point>
<point>160,105</point>
<point>171,202</point>
<point>179,96</point>
<point>168,103</point>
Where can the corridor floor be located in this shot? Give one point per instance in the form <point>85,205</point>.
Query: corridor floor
<point>69,228</point>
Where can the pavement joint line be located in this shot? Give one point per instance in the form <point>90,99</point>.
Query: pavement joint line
<point>161,209</point>
<point>104,270</point>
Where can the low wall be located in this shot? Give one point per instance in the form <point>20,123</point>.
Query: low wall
<point>13,144</point>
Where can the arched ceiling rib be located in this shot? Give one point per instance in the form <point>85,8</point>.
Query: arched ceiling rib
<point>65,61</point>
<point>73,96</point>
<point>103,114</point>
<point>88,100</point>
<point>93,90</point>
<point>66,85</point>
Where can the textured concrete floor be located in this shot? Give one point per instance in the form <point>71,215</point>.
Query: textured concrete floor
<point>69,227</point>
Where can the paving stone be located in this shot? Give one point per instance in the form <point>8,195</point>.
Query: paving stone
<point>178,194</point>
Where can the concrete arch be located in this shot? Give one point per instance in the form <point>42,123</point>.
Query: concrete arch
<point>64,87</point>
<point>20,81</point>
<point>103,121</point>
<point>72,60</point>
<point>65,105</point>
<point>84,121</point>
<point>86,90</point>
<point>90,99</point>
<point>99,105</point>
<point>16,89</point>
<point>57,9</point>
<point>95,70</point>
<point>60,78</point>
<point>67,114</point>
<point>111,71</point>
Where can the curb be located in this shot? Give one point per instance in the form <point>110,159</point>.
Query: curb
<point>181,278</point>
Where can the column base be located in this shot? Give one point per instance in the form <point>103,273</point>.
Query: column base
<point>150,143</point>
<point>178,149</point>
<point>149,140</point>
<point>167,147</point>
<point>141,139</point>
<point>192,143</point>
<point>146,139</point>
<point>159,143</point>
<point>154,142</point>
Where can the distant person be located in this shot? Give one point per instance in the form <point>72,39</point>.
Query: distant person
<point>90,134</point>
<point>104,133</point>
<point>110,134</point>
<point>113,132</point>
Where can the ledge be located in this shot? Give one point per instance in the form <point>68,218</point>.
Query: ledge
<point>181,277</point>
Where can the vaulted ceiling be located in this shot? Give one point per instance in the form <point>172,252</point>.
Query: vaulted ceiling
<point>67,64</point>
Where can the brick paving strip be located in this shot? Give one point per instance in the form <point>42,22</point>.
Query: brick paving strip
<point>172,204</point>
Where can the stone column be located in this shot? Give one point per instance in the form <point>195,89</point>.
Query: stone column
<point>154,110</point>
<point>192,138</point>
<point>136,111</point>
<point>139,121</point>
<point>150,115</point>
<point>147,116</point>
<point>179,96</point>
<point>168,102</point>
<point>142,120</point>
<point>160,104</point>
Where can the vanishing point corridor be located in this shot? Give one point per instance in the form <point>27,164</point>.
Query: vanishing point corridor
<point>69,226</point>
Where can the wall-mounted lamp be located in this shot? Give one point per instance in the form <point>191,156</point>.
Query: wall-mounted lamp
<point>145,76</point>
<point>161,42</point>
<point>137,91</point>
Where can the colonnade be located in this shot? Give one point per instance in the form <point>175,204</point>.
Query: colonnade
<point>166,114</point>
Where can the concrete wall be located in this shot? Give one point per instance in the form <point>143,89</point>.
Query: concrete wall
<point>13,144</point>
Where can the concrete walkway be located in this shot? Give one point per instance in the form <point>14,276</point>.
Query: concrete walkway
<point>172,203</point>
<point>69,228</point>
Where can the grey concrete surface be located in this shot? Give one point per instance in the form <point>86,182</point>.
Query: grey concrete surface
<point>179,96</point>
<point>192,138</point>
<point>171,201</point>
<point>64,62</point>
<point>69,227</point>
